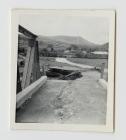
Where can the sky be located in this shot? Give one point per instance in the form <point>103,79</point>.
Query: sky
<point>94,29</point>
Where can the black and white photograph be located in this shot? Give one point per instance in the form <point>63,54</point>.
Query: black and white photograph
<point>63,69</point>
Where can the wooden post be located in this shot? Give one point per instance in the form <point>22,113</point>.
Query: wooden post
<point>102,70</point>
<point>26,67</point>
<point>18,81</point>
<point>30,67</point>
<point>36,67</point>
<point>43,69</point>
<point>37,58</point>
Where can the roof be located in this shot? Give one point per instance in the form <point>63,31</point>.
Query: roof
<point>26,32</point>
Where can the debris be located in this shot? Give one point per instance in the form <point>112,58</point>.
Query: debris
<point>63,74</point>
<point>72,76</point>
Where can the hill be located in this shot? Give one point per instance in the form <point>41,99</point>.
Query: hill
<point>65,42</point>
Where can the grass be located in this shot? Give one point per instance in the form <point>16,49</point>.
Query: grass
<point>91,62</point>
<point>51,62</point>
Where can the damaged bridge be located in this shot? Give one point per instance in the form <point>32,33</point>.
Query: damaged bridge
<point>60,99</point>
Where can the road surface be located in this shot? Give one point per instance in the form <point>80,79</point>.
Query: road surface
<point>64,60</point>
<point>58,101</point>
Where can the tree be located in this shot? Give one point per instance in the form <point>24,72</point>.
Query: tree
<point>50,47</point>
<point>79,54</point>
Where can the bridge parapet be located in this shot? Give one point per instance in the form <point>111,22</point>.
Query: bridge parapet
<point>29,91</point>
<point>31,70</point>
<point>29,79</point>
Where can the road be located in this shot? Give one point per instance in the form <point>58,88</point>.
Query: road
<point>58,101</point>
<point>64,60</point>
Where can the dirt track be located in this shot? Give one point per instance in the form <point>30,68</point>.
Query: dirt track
<point>64,60</point>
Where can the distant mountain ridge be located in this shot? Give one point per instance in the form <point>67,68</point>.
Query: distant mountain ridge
<point>64,42</point>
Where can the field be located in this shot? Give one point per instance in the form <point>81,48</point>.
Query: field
<point>91,62</point>
<point>51,62</point>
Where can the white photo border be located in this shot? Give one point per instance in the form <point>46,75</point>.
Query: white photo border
<point>109,127</point>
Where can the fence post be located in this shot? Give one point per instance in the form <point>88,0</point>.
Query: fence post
<point>102,70</point>
<point>43,69</point>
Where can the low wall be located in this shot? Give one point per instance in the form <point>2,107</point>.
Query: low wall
<point>22,96</point>
<point>103,83</point>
